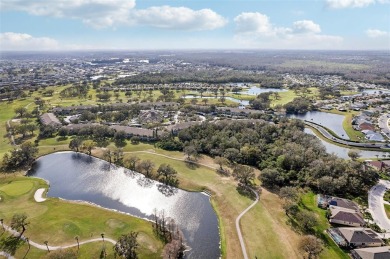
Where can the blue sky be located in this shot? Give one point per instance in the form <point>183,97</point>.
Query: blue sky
<point>194,24</point>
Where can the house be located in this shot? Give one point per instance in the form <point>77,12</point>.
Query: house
<point>355,237</point>
<point>180,126</point>
<point>382,252</point>
<point>375,137</point>
<point>50,119</point>
<point>343,203</point>
<point>366,126</point>
<point>346,217</point>
<point>144,134</point>
<point>380,165</point>
<point>150,116</point>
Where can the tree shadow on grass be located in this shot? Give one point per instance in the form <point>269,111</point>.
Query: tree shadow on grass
<point>191,164</point>
<point>245,191</point>
<point>10,244</point>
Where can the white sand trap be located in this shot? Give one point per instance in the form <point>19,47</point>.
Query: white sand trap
<point>38,195</point>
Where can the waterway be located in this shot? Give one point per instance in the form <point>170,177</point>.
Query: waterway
<point>331,121</point>
<point>342,152</point>
<point>75,176</point>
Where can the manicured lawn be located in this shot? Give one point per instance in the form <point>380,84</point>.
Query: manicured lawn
<point>58,221</point>
<point>352,134</point>
<point>386,197</point>
<point>289,95</point>
<point>331,250</point>
<point>16,188</point>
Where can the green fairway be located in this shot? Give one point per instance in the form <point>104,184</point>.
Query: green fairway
<point>58,221</point>
<point>16,188</point>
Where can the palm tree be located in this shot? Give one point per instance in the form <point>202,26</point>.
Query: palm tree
<point>78,244</point>
<point>47,246</point>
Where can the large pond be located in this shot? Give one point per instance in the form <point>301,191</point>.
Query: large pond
<point>343,152</point>
<point>254,90</point>
<point>75,176</point>
<point>332,121</point>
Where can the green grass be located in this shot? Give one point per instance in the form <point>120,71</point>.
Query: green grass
<point>228,203</point>
<point>331,250</point>
<point>289,95</point>
<point>59,221</point>
<point>387,209</point>
<point>386,197</point>
<point>352,134</point>
<point>16,188</point>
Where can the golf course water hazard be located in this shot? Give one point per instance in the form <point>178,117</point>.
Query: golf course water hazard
<point>75,176</point>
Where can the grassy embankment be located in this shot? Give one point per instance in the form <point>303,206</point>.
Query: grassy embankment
<point>331,250</point>
<point>59,221</point>
<point>387,209</point>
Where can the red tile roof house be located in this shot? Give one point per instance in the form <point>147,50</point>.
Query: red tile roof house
<point>366,126</point>
<point>383,166</point>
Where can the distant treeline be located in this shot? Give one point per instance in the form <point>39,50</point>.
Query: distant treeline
<point>205,76</point>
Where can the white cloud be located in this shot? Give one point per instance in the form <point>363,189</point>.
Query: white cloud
<point>339,4</point>
<point>111,13</point>
<point>374,33</point>
<point>256,30</point>
<point>306,26</point>
<point>182,18</point>
<point>23,41</point>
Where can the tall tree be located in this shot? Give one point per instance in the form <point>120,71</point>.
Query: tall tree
<point>127,246</point>
<point>168,173</point>
<point>19,223</point>
<point>311,245</point>
<point>244,174</point>
<point>75,144</point>
<point>131,162</point>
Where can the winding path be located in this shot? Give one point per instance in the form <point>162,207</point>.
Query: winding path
<point>43,246</point>
<point>242,243</point>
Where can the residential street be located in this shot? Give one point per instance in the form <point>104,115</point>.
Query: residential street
<point>375,204</point>
<point>383,122</point>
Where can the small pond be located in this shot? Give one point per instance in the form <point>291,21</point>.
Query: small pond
<point>331,121</point>
<point>75,176</point>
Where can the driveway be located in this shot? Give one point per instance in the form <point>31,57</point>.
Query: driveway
<point>376,204</point>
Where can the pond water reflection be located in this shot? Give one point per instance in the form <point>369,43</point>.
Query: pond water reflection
<point>75,176</point>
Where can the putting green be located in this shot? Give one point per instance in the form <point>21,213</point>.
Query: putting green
<point>17,188</point>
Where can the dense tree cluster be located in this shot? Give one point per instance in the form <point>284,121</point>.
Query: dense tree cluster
<point>80,91</point>
<point>285,155</point>
<point>204,76</point>
<point>299,105</point>
<point>19,157</point>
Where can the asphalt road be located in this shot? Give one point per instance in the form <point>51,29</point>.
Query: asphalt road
<point>376,205</point>
<point>329,136</point>
<point>383,122</point>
